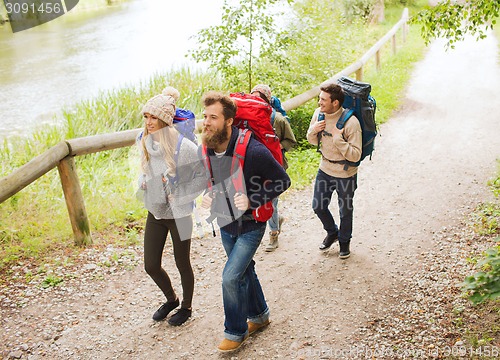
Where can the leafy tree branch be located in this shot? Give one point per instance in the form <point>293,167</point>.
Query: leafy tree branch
<point>453,20</point>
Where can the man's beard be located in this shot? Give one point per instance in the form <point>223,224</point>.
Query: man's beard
<point>219,137</point>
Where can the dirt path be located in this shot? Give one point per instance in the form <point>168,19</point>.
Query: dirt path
<point>430,168</point>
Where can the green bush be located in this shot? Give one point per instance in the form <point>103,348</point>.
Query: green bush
<point>485,284</point>
<point>302,167</point>
<point>300,119</point>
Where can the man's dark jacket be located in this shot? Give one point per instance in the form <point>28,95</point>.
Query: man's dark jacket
<point>265,179</point>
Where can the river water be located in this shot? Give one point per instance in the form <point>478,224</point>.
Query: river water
<point>76,56</point>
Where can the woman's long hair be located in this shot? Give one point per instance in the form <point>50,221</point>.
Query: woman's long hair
<point>168,136</point>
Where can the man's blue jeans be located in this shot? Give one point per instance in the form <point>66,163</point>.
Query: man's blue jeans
<point>324,187</point>
<point>241,291</point>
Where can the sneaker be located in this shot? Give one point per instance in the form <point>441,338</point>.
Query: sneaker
<point>230,345</point>
<point>328,241</point>
<point>180,317</point>
<point>165,309</point>
<point>344,250</point>
<point>253,327</point>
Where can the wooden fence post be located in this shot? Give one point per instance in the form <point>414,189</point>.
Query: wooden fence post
<point>74,201</point>
<point>359,74</point>
<point>377,60</point>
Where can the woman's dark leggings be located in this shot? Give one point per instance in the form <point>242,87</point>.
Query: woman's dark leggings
<point>155,236</point>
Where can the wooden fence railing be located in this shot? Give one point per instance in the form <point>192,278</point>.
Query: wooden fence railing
<point>62,155</point>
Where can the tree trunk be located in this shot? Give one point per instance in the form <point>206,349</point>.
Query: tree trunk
<point>378,14</point>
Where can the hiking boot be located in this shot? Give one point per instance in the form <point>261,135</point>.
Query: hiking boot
<point>328,241</point>
<point>344,250</point>
<point>165,309</point>
<point>253,327</point>
<point>273,241</point>
<point>227,345</point>
<point>273,237</point>
<point>180,317</point>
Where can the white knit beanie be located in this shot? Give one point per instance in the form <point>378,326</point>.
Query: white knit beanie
<point>161,106</point>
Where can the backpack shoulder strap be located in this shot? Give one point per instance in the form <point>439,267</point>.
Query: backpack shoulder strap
<point>238,160</point>
<point>346,115</point>
<point>237,163</point>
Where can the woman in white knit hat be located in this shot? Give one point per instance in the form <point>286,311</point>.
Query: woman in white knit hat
<point>172,177</point>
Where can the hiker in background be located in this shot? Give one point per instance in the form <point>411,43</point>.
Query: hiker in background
<point>334,174</point>
<point>287,141</point>
<point>241,234</point>
<point>169,183</point>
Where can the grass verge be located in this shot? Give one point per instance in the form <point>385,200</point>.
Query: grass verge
<point>479,324</point>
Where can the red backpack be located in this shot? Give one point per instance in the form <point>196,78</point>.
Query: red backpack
<point>253,114</point>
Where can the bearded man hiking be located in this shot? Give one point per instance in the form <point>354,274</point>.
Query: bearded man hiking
<point>245,307</point>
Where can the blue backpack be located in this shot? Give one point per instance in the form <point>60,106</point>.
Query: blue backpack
<point>276,105</point>
<point>358,102</point>
<point>185,123</point>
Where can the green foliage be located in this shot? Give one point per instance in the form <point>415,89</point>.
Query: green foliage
<point>453,20</point>
<point>494,183</point>
<point>300,119</point>
<point>486,217</point>
<point>358,9</point>
<point>51,281</point>
<point>302,167</point>
<point>322,37</point>
<point>485,284</point>
<point>248,32</point>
